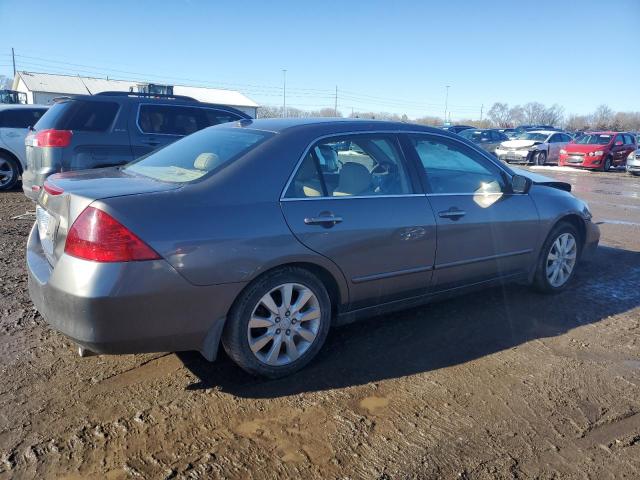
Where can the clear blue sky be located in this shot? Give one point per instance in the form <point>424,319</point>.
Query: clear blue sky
<point>395,56</point>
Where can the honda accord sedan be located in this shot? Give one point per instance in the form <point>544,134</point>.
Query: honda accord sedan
<point>262,234</point>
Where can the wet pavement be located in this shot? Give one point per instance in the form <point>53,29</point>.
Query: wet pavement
<point>504,383</point>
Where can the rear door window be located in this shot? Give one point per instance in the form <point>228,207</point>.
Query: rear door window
<point>355,165</point>
<point>180,120</point>
<point>20,117</point>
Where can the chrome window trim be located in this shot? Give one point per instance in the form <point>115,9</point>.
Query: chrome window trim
<point>142,132</point>
<point>351,197</point>
<point>388,132</point>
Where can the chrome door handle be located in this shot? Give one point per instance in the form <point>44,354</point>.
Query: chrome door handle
<point>325,221</point>
<point>453,214</point>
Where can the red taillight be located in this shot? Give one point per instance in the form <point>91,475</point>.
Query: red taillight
<point>97,236</point>
<point>52,189</point>
<point>52,138</point>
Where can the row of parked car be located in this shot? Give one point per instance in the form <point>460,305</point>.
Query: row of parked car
<point>540,145</point>
<point>93,131</point>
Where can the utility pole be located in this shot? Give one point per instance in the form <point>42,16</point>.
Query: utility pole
<point>481,109</point>
<point>284,93</point>
<point>446,102</point>
<point>335,105</point>
<point>13,57</point>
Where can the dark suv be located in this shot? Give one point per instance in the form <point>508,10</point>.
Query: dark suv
<point>111,128</point>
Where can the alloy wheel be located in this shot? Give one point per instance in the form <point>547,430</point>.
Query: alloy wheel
<point>284,324</point>
<point>7,172</point>
<point>561,260</point>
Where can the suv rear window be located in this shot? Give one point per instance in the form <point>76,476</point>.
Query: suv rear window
<point>80,115</point>
<point>197,155</point>
<point>179,120</point>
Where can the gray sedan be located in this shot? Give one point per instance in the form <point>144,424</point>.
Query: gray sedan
<point>262,234</point>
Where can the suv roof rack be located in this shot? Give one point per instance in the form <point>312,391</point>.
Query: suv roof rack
<point>146,95</point>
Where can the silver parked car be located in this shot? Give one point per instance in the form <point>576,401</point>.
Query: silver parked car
<point>537,146</point>
<point>261,234</point>
<point>633,163</point>
<point>15,121</point>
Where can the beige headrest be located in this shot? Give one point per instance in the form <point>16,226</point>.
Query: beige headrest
<point>206,161</point>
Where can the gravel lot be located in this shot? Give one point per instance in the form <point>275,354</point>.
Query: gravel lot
<point>502,384</point>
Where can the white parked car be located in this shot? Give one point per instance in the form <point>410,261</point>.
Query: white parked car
<point>537,147</point>
<point>633,163</point>
<point>15,121</point>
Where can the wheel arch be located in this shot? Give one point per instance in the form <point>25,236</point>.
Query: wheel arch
<point>335,290</point>
<point>576,221</point>
<point>10,154</point>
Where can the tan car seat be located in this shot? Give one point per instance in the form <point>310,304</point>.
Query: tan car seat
<point>354,179</point>
<point>307,181</point>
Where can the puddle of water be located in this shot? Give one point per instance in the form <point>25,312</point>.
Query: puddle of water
<point>374,404</point>
<point>632,363</point>
<point>620,222</point>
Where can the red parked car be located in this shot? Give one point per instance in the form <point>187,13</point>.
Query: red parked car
<point>598,150</point>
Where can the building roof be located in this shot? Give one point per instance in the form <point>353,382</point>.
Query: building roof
<point>77,85</point>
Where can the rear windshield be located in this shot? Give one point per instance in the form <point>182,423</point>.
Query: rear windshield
<point>79,115</point>
<point>594,140</point>
<point>198,154</point>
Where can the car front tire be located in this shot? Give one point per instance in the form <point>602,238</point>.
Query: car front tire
<point>607,165</point>
<point>541,158</point>
<point>558,259</point>
<point>9,173</point>
<point>279,323</point>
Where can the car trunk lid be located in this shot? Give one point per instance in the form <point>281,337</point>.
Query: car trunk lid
<point>66,195</point>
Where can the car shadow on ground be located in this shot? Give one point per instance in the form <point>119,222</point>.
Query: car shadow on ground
<point>443,334</point>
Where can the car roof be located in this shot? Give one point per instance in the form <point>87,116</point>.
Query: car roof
<point>337,125</point>
<point>134,97</point>
<point>16,106</point>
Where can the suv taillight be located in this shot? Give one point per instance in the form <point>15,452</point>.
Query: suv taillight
<point>97,236</point>
<point>52,138</point>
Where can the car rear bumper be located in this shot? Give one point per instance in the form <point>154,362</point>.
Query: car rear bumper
<point>131,307</point>
<point>32,182</point>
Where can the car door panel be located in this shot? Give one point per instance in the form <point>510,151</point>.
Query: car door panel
<point>495,238</point>
<point>385,246</point>
<point>484,231</point>
<point>379,230</point>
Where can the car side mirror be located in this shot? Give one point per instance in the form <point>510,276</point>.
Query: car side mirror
<point>520,184</point>
<point>618,143</point>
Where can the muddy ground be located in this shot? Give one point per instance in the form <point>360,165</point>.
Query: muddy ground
<point>501,384</point>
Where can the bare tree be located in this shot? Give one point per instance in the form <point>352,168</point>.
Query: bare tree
<point>577,122</point>
<point>6,82</point>
<point>500,115</point>
<point>602,118</point>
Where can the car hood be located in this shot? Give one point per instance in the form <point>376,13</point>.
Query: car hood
<point>580,148</point>
<point>519,143</point>
<point>538,179</point>
<point>107,182</point>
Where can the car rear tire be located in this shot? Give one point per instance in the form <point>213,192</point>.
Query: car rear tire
<point>279,323</point>
<point>558,259</point>
<point>9,172</point>
<point>607,164</point>
<point>541,158</point>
